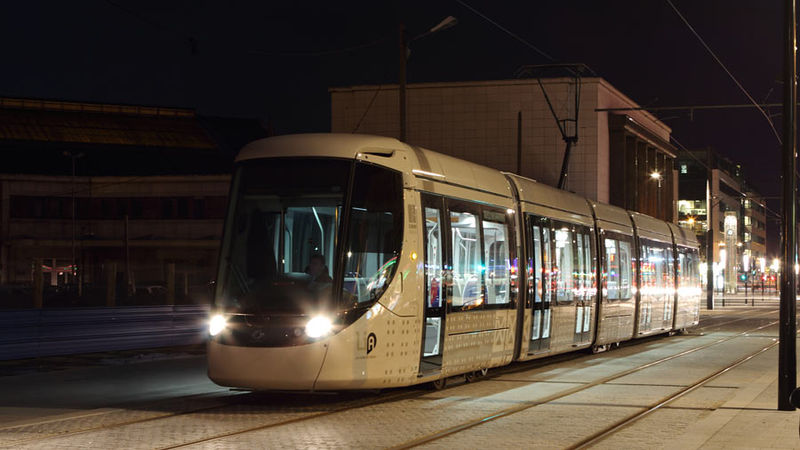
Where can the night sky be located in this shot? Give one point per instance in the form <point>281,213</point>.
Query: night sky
<point>275,61</point>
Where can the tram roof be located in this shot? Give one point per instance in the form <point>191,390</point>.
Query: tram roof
<point>331,145</point>
<point>531,191</point>
<point>683,236</point>
<point>421,162</point>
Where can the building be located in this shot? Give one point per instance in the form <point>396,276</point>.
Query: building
<point>111,204</point>
<point>739,213</point>
<point>624,159</point>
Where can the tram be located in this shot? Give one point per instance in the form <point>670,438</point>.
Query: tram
<point>361,262</point>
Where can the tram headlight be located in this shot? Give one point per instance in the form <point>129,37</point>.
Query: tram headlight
<point>318,326</point>
<point>217,324</point>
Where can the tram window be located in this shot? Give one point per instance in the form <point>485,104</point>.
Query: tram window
<point>537,263</point>
<point>467,273</point>
<point>582,269</point>
<point>591,280</point>
<point>433,258</point>
<point>656,279</point>
<point>547,266</point>
<point>279,220</point>
<point>611,270</point>
<point>497,261</point>
<point>564,264</point>
<point>625,270</point>
<point>375,233</point>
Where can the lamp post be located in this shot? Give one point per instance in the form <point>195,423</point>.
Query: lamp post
<point>447,22</point>
<point>74,156</point>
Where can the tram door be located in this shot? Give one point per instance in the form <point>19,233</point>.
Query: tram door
<point>436,284</point>
<point>540,289</point>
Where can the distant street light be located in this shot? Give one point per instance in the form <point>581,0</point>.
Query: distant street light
<point>447,22</point>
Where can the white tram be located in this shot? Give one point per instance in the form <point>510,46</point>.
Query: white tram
<point>360,262</point>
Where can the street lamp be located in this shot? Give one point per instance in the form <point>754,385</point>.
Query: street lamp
<point>447,22</point>
<point>656,175</point>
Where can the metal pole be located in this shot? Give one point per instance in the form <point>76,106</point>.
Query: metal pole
<point>709,236</point>
<point>787,359</point>
<point>74,262</point>
<point>519,142</point>
<point>402,80</point>
<point>128,289</point>
<point>658,200</point>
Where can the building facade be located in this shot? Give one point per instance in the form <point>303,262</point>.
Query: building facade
<point>517,125</point>
<point>739,214</point>
<point>111,204</point>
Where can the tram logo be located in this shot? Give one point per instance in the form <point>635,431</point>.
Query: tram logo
<point>372,341</point>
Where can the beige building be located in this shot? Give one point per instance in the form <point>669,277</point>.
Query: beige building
<point>508,125</point>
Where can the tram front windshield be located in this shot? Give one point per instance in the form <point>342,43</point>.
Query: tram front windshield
<point>282,236</point>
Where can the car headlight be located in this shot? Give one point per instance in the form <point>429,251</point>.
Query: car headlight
<point>217,324</point>
<point>318,326</point>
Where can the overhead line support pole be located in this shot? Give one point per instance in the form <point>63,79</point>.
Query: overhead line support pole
<point>787,358</point>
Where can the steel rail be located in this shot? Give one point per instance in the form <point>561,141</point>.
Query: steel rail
<point>624,423</point>
<point>530,404</point>
<point>240,397</point>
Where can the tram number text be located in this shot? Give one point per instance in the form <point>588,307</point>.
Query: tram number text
<point>372,341</point>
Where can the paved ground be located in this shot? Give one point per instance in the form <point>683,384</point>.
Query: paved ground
<point>668,385</point>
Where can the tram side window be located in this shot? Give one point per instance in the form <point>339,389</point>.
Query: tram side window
<point>564,264</point>
<point>467,273</point>
<point>495,244</point>
<point>626,270</point>
<point>580,269</point>
<point>375,233</point>
<point>548,270</point>
<point>433,258</point>
<point>611,269</point>
<point>617,269</point>
<point>590,269</point>
<point>647,270</point>
<point>537,264</point>
<point>682,269</point>
<point>656,278</point>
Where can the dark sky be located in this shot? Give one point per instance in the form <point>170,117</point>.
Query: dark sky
<point>275,61</point>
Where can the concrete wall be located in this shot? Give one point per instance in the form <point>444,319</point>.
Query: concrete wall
<point>477,121</point>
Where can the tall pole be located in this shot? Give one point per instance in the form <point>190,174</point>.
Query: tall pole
<point>403,48</point>
<point>709,233</point>
<point>74,269</point>
<point>787,359</point>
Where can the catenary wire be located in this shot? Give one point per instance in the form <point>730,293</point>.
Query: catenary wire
<point>721,64</point>
<point>505,30</point>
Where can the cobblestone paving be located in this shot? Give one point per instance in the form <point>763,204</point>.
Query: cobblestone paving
<point>735,410</point>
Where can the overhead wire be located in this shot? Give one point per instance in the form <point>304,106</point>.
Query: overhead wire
<point>721,64</point>
<point>703,163</point>
<point>505,30</point>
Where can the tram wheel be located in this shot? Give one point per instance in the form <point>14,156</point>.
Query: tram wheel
<point>439,384</point>
<point>469,377</point>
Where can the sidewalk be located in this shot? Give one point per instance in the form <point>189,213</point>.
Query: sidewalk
<point>749,418</point>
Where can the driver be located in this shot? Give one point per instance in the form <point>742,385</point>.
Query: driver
<point>319,273</point>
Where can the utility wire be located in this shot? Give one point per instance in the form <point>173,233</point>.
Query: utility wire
<point>505,30</point>
<point>363,116</point>
<point>702,163</point>
<point>747,94</point>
